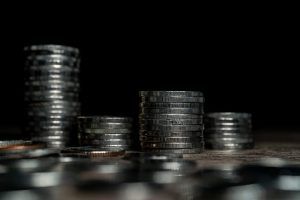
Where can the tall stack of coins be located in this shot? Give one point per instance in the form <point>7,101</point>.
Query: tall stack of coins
<point>171,121</point>
<point>228,131</point>
<point>105,132</point>
<point>51,93</point>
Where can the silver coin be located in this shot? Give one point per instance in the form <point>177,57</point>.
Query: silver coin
<point>229,146</point>
<point>52,117</point>
<point>104,142</point>
<point>103,136</point>
<point>51,68</point>
<point>163,99</point>
<point>171,133</point>
<point>51,92</point>
<point>146,145</point>
<point>52,49</point>
<point>45,124</point>
<point>107,125</point>
<point>171,111</point>
<point>170,139</point>
<point>104,119</point>
<point>44,83</point>
<point>52,109</point>
<point>228,135</point>
<point>233,129</point>
<point>228,140</point>
<point>106,131</point>
<point>51,59</point>
<point>227,124</point>
<point>47,113</point>
<point>52,77</point>
<point>56,103</point>
<point>176,151</point>
<point>169,116</point>
<point>171,93</point>
<point>228,115</point>
<point>50,138</point>
<point>172,128</point>
<point>228,120</point>
<point>170,105</point>
<point>115,146</point>
<point>171,121</point>
<point>50,97</point>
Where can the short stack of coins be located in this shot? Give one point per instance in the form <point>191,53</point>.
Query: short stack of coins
<point>51,93</point>
<point>171,121</point>
<point>105,132</point>
<point>228,131</point>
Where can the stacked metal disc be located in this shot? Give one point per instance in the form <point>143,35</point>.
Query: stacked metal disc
<point>51,93</point>
<point>171,121</point>
<point>228,131</point>
<point>105,132</point>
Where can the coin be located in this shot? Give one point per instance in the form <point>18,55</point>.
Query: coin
<point>103,136</point>
<point>176,151</point>
<point>51,59</point>
<point>170,105</point>
<point>92,152</point>
<point>171,139</point>
<point>106,131</point>
<point>228,115</point>
<point>163,99</point>
<point>171,133</point>
<point>181,145</point>
<point>7,143</point>
<point>171,121</point>
<point>171,93</point>
<point>229,146</point>
<point>172,128</point>
<point>52,49</point>
<point>104,142</point>
<point>229,140</point>
<point>169,116</point>
<point>104,119</point>
<point>107,125</point>
<point>171,110</point>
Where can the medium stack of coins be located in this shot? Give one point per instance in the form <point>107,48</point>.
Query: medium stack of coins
<point>171,121</point>
<point>105,132</point>
<point>51,93</point>
<point>228,131</point>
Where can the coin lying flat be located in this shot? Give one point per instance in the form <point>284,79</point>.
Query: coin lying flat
<point>171,139</point>
<point>169,116</point>
<point>92,152</point>
<point>171,133</point>
<point>229,146</point>
<point>172,99</point>
<point>172,128</point>
<point>171,121</point>
<point>172,145</point>
<point>171,110</point>
<point>51,49</point>
<point>176,151</point>
<point>170,105</point>
<point>171,93</point>
<point>105,131</point>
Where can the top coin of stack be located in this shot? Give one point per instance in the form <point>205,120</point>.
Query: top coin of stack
<point>51,93</point>
<point>228,131</point>
<point>171,121</point>
<point>105,132</point>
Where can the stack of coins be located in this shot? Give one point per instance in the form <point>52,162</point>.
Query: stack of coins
<point>105,132</point>
<point>171,121</point>
<point>228,131</point>
<point>51,93</point>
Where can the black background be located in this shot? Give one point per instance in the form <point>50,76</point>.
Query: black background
<point>244,62</point>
